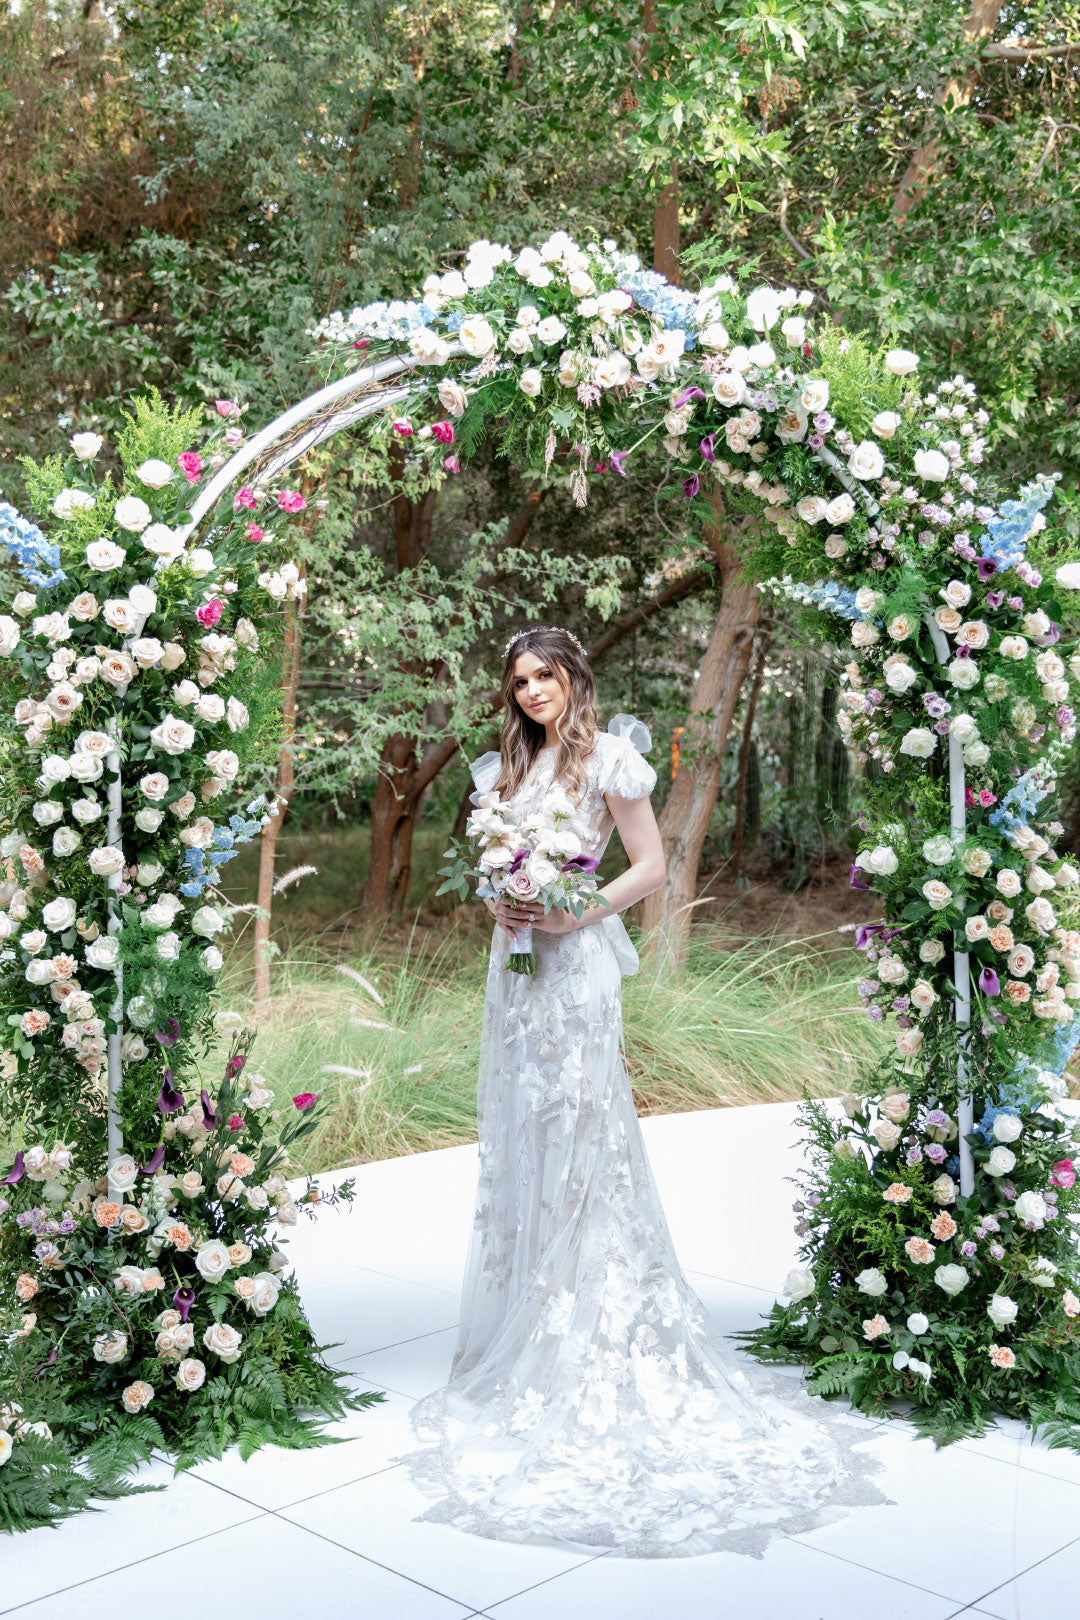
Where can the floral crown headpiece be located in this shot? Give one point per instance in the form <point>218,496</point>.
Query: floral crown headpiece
<point>519,634</point>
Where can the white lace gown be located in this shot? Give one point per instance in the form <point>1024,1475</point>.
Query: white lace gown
<point>588,1402</point>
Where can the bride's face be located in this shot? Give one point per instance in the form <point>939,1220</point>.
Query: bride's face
<point>537,688</point>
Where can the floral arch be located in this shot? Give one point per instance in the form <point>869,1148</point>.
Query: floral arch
<point>935,1225</point>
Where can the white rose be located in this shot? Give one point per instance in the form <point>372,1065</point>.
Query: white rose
<point>58,915</point>
<point>918,742</point>
<point>899,674</point>
<point>201,561</point>
<point>190,1374</point>
<point>798,1284</point>
<point>86,445</point>
<point>885,424</point>
<point>814,396</point>
<point>963,673</point>
<point>86,768</point>
<point>86,810</point>
<point>886,1134</point>
<point>866,460</point>
<point>519,341</point>
<point>212,959</point>
<point>70,501</point>
<point>104,555</point>
<point>714,337</point>
<point>1002,1310</point>
<point>236,715</point>
<point>110,1347</point>
<point>812,508</point>
<point>550,330</point>
<point>210,707</point>
<point>154,474</point>
<point>531,382</point>
<point>132,514</point>
<point>103,953</point>
<point>1008,1127</point>
<point>221,1339</point>
<point>105,860</point>
<point>951,1279</point>
<point>841,509</point>
<point>155,785</point>
<point>917,1323</point>
<point>173,736</point>
<point>932,466</point>
<point>207,921</point>
<point>212,1260</point>
<point>729,388</point>
<point>901,362</point>
<point>793,330</point>
<point>9,634</point>
<point>65,841</point>
<point>1030,1207</point>
<point>872,1282</point>
<point>160,540</point>
<point>265,1297</point>
<point>1001,1162</point>
<point>148,820</point>
<point>476,336</point>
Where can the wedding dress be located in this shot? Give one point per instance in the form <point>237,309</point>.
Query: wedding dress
<point>587,1401</point>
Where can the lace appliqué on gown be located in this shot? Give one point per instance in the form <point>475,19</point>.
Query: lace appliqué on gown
<point>587,1400</point>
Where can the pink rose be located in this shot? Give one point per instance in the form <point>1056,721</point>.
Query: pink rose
<point>362,343</point>
<point>305,1100</point>
<point>209,614</point>
<point>443,431</point>
<point>452,464</point>
<point>254,533</point>
<point>191,465</point>
<point>521,885</point>
<point>244,497</point>
<point>291,500</point>
<point>1063,1174</point>
<point>227,408</point>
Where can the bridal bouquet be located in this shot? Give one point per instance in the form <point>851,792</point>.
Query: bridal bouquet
<point>539,858</point>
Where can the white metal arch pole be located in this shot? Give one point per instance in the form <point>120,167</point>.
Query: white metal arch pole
<point>267,437</point>
<point>115,1140</point>
<point>961,959</point>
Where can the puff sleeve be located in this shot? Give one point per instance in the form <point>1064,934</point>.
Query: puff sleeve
<point>485,772</point>
<point>624,772</point>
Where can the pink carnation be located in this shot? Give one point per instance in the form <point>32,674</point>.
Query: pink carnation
<point>291,500</point>
<point>443,431</point>
<point>1063,1174</point>
<point>245,497</point>
<point>191,465</point>
<point>227,408</point>
<point>254,533</point>
<point>210,612</point>
<point>305,1100</point>
<point>402,426</point>
<point>452,464</point>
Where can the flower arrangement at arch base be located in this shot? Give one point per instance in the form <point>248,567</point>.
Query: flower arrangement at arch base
<point>144,1300</point>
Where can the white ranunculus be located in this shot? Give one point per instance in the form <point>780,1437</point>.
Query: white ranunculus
<point>105,555</point>
<point>155,474</point>
<point>132,514</point>
<point>951,1279</point>
<point>901,362</point>
<point>86,445</point>
<point>872,1281</point>
<point>976,754</point>
<point>866,460</point>
<point>964,728</point>
<point>918,742</point>
<point>1002,1310</point>
<point>531,382</point>
<point>58,915</point>
<point>932,466</point>
<point>798,1284</point>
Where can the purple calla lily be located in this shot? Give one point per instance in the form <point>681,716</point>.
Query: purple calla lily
<point>617,457</point>
<point>183,1300</point>
<point>170,1034</point>
<point>18,1169</point>
<point>169,1099</point>
<point>707,447</point>
<point>209,1117</point>
<point>520,857</point>
<point>580,863</point>
<point>691,486</point>
<point>687,394</point>
<point>155,1162</point>
<point>989,983</point>
<point>986,567</point>
<point>855,881</point>
<point>994,599</point>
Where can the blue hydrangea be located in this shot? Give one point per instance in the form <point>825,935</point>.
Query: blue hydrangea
<point>1021,801</point>
<point>673,306</point>
<point>38,557</point>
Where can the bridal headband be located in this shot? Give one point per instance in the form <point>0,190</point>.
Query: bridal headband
<point>520,634</point>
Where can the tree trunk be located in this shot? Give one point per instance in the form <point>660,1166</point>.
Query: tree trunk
<point>981,21</point>
<point>666,210</point>
<point>286,776</point>
<point>744,754</point>
<point>685,817</point>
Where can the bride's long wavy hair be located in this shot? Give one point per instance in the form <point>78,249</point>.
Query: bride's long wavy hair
<point>523,737</point>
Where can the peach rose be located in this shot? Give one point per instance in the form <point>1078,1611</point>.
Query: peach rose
<point>26,1287</point>
<point>190,1375</point>
<point>106,1213</point>
<point>875,1327</point>
<point>1017,992</point>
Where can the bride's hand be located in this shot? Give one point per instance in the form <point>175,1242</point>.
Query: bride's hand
<point>512,917</point>
<point>557,922</point>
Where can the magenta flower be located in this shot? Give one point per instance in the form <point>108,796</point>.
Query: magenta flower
<point>305,1100</point>
<point>1063,1174</point>
<point>245,497</point>
<point>209,1117</point>
<point>291,500</point>
<point>235,1122</point>
<point>986,567</point>
<point>254,533</point>
<point>706,447</point>
<point>402,426</point>
<point>986,798</point>
<point>362,343</point>
<point>443,431</point>
<point>452,464</point>
<point>210,612</point>
<point>228,408</point>
<point>687,394</point>
<point>617,457</point>
<point>191,465</point>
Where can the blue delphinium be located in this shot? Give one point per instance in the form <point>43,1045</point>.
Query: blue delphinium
<point>33,550</point>
<point>1006,535</point>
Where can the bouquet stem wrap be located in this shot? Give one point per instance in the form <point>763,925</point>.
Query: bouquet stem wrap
<point>521,952</point>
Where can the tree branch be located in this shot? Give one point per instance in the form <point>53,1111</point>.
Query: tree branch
<point>1011,50</point>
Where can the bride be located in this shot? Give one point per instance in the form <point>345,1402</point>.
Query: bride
<point>587,1401</point>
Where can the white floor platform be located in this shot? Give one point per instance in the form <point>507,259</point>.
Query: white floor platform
<point>990,1528</point>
